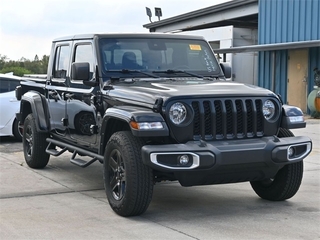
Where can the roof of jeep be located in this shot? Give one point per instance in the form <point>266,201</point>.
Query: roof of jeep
<point>127,35</point>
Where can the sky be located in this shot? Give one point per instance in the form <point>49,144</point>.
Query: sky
<point>27,28</point>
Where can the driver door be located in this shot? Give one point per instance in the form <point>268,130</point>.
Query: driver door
<point>81,110</point>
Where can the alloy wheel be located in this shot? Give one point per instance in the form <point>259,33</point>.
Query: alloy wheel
<point>117,175</point>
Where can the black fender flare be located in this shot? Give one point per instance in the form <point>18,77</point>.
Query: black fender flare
<point>292,117</point>
<point>127,115</point>
<point>36,103</point>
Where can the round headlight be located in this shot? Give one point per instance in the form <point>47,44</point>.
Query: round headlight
<point>177,113</point>
<point>269,109</point>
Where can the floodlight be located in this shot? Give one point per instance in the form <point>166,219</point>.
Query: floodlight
<point>158,12</point>
<point>149,13</point>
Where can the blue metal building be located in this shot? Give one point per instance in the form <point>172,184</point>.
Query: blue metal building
<point>288,21</point>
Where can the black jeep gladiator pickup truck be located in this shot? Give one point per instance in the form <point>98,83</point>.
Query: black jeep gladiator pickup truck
<point>157,107</point>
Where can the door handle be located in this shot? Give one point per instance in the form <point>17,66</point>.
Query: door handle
<point>67,96</point>
<point>54,95</point>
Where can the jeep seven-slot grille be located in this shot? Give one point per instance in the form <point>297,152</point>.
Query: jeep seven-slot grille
<point>227,119</point>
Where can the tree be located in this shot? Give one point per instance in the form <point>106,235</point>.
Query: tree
<point>24,66</point>
<point>44,63</point>
<point>3,59</point>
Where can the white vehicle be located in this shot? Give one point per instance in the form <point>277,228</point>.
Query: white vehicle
<point>9,106</point>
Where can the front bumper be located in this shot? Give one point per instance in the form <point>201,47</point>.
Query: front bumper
<point>226,161</point>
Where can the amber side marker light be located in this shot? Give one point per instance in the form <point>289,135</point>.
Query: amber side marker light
<point>146,125</point>
<point>134,125</point>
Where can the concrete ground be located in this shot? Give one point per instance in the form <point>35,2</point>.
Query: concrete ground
<point>63,201</point>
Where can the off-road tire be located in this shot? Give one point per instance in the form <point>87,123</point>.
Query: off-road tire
<point>34,144</point>
<point>285,184</point>
<point>128,182</point>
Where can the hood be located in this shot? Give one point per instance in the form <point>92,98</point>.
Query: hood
<point>147,92</point>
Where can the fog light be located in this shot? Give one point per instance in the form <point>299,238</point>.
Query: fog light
<point>184,160</point>
<point>291,152</point>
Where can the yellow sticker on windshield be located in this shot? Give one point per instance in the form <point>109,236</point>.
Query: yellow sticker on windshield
<point>195,47</point>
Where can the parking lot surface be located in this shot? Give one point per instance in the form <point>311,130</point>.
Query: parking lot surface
<point>64,201</point>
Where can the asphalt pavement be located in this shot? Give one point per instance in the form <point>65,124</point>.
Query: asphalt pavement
<point>64,201</point>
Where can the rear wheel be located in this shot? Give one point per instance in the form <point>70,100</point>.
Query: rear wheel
<point>285,184</point>
<point>128,182</point>
<point>34,144</point>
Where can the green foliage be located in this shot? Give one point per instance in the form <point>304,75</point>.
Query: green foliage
<point>24,66</point>
<point>3,59</point>
<point>17,71</point>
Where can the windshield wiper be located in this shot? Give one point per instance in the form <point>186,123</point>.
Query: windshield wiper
<point>172,71</point>
<point>133,71</point>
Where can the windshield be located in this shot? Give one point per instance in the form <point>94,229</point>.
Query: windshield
<point>157,56</point>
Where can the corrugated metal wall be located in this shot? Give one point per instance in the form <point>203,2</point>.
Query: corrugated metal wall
<point>286,21</point>
<point>273,71</point>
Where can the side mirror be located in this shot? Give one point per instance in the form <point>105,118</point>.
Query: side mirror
<point>226,69</point>
<point>80,71</point>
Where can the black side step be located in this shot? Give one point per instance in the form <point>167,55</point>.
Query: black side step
<point>51,149</point>
<point>81,163</point>
<point>76,150</point>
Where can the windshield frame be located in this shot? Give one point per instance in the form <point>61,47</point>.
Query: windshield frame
<point>194,47</point>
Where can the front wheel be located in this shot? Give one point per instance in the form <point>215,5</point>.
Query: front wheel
<point>34,144</point>
<point>128,182</point>
<point>285,184</point>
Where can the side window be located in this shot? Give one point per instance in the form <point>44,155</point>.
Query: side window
<point>83,53</point>
<point>61,62</point>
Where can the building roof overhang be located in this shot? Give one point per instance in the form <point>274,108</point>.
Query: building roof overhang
<point>240,13</point>
<point>270,47</point>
